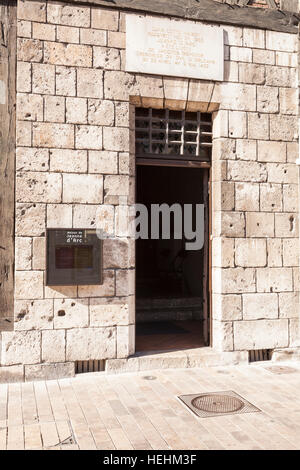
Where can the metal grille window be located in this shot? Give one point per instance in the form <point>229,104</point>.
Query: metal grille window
<point>176,135</point>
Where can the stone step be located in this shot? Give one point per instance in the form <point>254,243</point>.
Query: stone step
<point>200,357</point>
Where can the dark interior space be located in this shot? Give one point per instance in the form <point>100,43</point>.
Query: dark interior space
<point>169,278</point>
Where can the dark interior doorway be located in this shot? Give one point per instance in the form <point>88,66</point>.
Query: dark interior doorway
<point>171,281</point>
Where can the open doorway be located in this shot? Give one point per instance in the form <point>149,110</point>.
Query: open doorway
<point>172,282</point>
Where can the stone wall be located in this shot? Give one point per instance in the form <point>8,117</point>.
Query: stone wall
<point>75,107</point>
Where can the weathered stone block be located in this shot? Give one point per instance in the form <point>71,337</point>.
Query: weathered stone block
<point>29,285</point>
<point>267,99</point>
<point>116,186</point>
<point>233,35</point>
<point>67,34</point>
<point>270,197</point>
<point>68,161</point>
<point>286,59</point>
<point>29,107</point>
<point>261,56</point>
<point>103,162</point>
<point>290,252</point>
<point>258,126</point>
<point>68,54</point>
<point>283,127</point>
<point>85,344</point>
<point>125,282</point>
<point>223,195</point>
<point>107,58</point>
<point>250,252</point>
<point>289,305</point>
<point>30,219</point>
<point>21,347</point>
<point>23,133</point>
<point>294,332</point>
<point>38,187</point>
<point>223,252</point>
<point>101,112</point>
<point>229,224</point>
<point>235,96</point>
<point>65,81</point>
<point>71,313</point>
<point>241,54</point>
<point>271,151</point>
<point>245,149</point>
<point>29,50</point>
<point>11,374</point>
<point>254,38</point>
<point>259,224</point>
<point>53,135</point>
<point>274,279</point>
<point>282,173</point>
<point>31,10</point>
<point>33,315</point>
<point>43,79</point>
<point>72,15</point>
<point>23,253</point>
<point>54,108</point>
<point>226,307</point>
<point>105,19</point>
<point>247,196</point>
<point>274,252</point>
<point>234,280</point>
<point>117,39</point>
<point>118,253</point>
<point>23,77</point>
<point>90,83</point>
<point>288,100</point>
<point>292,151</point>
<point>107,289</point>
<point>281,41</point>
<point>286,225</point>
<point>49,371</point>
<point>39,253</point>
<point>94,37</point>
<point>220,125</point>
<point>109,312</point>
<point>88,137</point>
<point>85,215</point>
<point>290,198</point>
<point>237,124</point>
<point>223,335</point>
<point>43,31</point>
<point>76,110</point>
<point>260,306</point>
<point>246,171</point>
<point>251,73</point>
<point>260,334</point>
<point>84,189</point>
<point>125,340</point>
<point>59,215</point>
<point>53,346</point>
<point>119,85</point>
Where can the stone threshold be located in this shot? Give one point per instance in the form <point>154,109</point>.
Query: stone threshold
<point>182,359</point>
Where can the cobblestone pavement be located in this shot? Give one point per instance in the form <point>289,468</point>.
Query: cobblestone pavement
<point>127,411</point>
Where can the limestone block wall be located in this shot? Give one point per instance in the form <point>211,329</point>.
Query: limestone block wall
<point>75,154</point>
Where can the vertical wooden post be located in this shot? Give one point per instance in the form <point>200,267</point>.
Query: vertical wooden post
<point>8,38</point>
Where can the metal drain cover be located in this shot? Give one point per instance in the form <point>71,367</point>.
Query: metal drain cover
<point>281,369</point>
<point>217,404</point>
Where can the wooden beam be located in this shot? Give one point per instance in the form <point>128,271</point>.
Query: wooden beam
<point>208,11</point>
<point>8,37</point>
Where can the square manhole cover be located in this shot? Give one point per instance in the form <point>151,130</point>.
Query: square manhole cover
<point>206,405</point>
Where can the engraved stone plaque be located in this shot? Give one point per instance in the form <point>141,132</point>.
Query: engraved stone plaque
<point>177,48</point>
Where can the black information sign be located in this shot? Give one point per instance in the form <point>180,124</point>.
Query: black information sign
<point>74,257</point>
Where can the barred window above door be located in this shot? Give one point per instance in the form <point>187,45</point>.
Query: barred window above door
<point>173,134</point>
